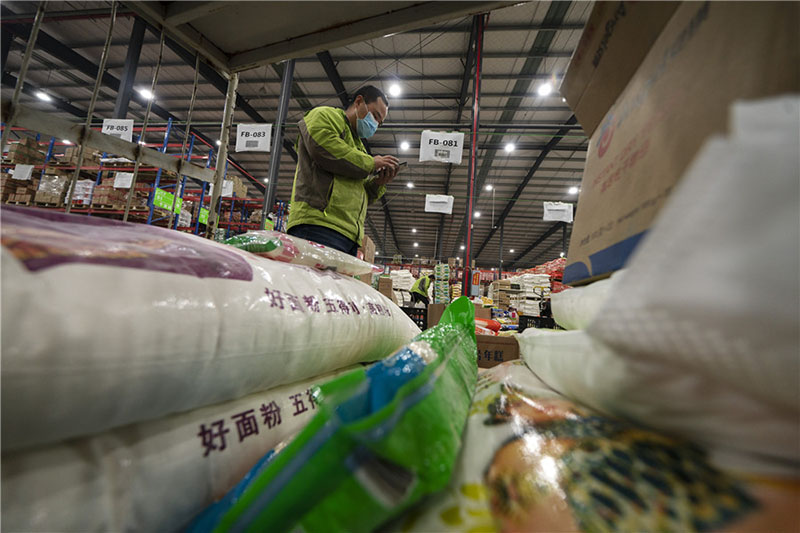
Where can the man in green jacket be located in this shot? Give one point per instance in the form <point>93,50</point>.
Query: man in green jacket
<point>336,178</point>
<point>419,290</point>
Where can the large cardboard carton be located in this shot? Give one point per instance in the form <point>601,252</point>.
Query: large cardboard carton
<point>435,312</point>
<point>367,253</point>
<point>708,55</point>
<point>495,350</point>
<point>614,42</point>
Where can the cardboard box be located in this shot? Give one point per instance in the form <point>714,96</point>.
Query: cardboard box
<point>613,44</point>
<point>495,350</point>
<point>707,56</point>
<point>435,313</point>
<point>366,252</point>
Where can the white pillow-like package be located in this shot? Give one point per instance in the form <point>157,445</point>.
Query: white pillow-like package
<point>108,323</point>
<point>575,308</point>
<point>151,476</point>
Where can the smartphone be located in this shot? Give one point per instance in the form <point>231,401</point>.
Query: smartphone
<point>402,164</point>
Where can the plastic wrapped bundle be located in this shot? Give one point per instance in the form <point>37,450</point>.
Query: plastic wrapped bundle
<point>382,439</point>
<point>534,461</point>
<point>282,247</point>
<point>174,467</point>
<point>107,323</point>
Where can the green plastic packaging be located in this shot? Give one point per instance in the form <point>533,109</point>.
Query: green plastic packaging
<point>383,437</point>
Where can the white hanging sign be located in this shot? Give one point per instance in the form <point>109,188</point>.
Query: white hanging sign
<point>123,180</point>
<point>441,146</point>
<point>22,172</point>
<point>253,137</point>
<point>439,203</point>
<point>227,188</point>
<point>119,127</point>
<point>558,211</point>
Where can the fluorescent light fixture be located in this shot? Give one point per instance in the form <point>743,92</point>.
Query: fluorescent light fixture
<point>65,141</point>
<point>416,245</point>
<point>41,95</point>
<point>395,90</point>
<point>489,187</point>
<point>510,147</point>
<point>562,254</point>
<point>146,93</point>
<point>544,89</point>
<point>413,230</point>
<point>477,214</point>
<point>511,251</point>
<point>404,145</point>
<point>410,185</point>
<point>219,143</point>
<point>573,190</point>
<point>462,246</point>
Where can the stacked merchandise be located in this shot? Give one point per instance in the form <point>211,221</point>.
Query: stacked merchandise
<point>183,411</point>
<point>534,290</point>
<point>402,281</point>
<point>255,217</point>
<point>441,286</point>
<point>106,195</point>
<point>504,293</point>
<point>554,269</point>
<point>83,193</point>
<point>455,290</point>
<point>51,190</point>
<point>25,152</point>
<point>16,190</point>
<point>90,157</point>
<point>185,216</point>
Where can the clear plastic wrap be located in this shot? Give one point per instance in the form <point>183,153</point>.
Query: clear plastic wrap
<point>283,247</point>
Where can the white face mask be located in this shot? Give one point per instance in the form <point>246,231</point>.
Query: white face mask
<point>367,126</point>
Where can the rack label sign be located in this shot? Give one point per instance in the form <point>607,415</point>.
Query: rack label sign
<point>253,137</point>
<point>203,218</point>
<point>123,180</point>
<point>439,203</point>
<point>441,146</point>
<point>164,199</point>
<point>227,189</point>
<point>22,172</point>
<point>558,211</point>
<point>119,127</point>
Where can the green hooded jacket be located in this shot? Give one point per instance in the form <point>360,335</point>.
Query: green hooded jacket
<point>421,286</point>
<point>332,183</point>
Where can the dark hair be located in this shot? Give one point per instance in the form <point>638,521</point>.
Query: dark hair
<point>370,94</point>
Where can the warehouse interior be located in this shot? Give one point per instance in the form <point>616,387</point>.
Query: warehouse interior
<point>418,266</point>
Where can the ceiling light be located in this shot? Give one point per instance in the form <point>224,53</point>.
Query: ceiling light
<point>511,251</point>
<point>377,252</point>
<point>573,190</point>
<point>489,187</point>
<point>266,180</point>
<point>395,90</point>
<point>65,141</point>
<point>510,147</point>
<point>146,94</point>
<point>416,245</point>
<point>477,214</point>
<point>563,99</point>
<point>410,185</point>
<point>416,255</point>
<point>404,145</point>
<point>462,246</point>
<point>562,254</point>
<point>219,143</point>
<point>413,230</point>
<point>41,95</point>
<point>544,89</point>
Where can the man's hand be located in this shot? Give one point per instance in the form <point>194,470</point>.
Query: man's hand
<point>383,161</point>
<point>386,175</point>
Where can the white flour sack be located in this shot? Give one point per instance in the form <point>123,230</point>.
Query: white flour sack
<point>151,476</point>
<point>108,323</point>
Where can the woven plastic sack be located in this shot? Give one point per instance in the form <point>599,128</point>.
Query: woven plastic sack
<point>107,323</point>
<point>575,308</point>
<point>381,440</point>
<point>533,461</point>
<point>282,247</point>
<point>173,467</point>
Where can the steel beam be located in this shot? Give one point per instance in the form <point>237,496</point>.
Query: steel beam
<point>277,140</point>
<point>551,145</point>
<point>30,90</point>
<point>129,71</point>
<point>394,21</point>
<point>554,228</point>
<point>178,13</point>
<point>77,14</point>
<point>333,75</point>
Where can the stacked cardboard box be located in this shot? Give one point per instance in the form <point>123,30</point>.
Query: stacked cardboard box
<point>52,188</point>
<point>534,289</point>
<point>90,157</point>
<point>366,252</point>
<point>106,195</point>
<point>83,193</point>
<point>385,288</point>
<point>17,191</point>
<point>25,152</point>
<point>504,293</point>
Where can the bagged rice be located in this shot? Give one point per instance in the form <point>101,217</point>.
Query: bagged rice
<point>533,461</point>
<point>382,439</point>
<point>107,323</point>
<point>151,476</point>
<point>282,247</point>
